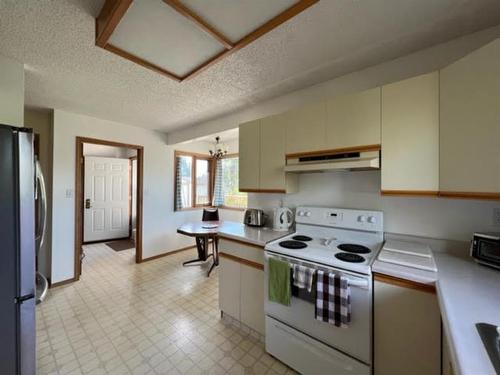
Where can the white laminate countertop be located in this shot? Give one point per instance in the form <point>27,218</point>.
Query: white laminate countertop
<point>467,293</point>
<point>255,235</point>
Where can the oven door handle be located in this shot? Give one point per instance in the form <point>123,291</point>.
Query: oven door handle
<point>355,282</point>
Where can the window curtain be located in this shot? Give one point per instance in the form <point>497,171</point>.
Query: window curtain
<point>178,185</point>
<point>218,199</point>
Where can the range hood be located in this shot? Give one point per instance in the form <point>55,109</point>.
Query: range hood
<point>329,162</point>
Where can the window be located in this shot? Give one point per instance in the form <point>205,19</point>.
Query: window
<point>230,182</point>
<point>201,181</point>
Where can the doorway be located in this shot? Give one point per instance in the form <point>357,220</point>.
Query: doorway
<point>108,196</point>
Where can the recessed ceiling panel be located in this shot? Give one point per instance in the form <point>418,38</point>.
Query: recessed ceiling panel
<point>238,18</point>
<point>156,33</point>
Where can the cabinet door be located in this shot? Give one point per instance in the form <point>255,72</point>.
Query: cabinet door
<point>410,135</point>
<point>249,155</point>
<point>407,331</point>
<point>272,153</point>
<point>305,128</point>
<point>353,120</point>
<point>252,298</point>
<point>229,287</point>
<point>470,123</point>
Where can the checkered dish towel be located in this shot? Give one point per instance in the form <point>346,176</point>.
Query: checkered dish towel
<point>333,299</point>
<point>303,277</point>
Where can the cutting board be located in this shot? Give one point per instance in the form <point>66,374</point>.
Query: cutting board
<point>408,260</point>
<point>411,248</point>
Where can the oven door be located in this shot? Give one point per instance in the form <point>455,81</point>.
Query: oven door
<point>355,340</point>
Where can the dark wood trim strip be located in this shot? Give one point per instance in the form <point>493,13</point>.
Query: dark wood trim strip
<point>142,62</point>
<point>281,18</point>
<point>110,16</point>
<point>222,237</point>
<point>64,282</point>
<point>242,261</point>
<point>428,288</point>
<point>363,148</point>
<point>272,191</point>
<point>470,195</point>
<point>105,142</point>
<point>199,22</point>
<point>428,193</point>
<point>169,253</point>
<point>105,240</point>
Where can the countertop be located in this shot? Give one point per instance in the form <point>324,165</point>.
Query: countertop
<point>254,235</point>
<point>467,293</point>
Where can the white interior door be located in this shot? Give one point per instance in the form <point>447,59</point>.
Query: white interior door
<point>106,198</point>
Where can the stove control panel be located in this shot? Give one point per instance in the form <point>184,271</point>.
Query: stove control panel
<point>341,218</point>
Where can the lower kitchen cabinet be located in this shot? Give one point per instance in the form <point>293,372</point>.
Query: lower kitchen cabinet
<point>407,328</point>
<point>241,283</point>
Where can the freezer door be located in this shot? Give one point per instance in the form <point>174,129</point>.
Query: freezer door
<point>27,342</point>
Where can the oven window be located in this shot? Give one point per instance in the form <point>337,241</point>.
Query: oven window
<point>489,251</point>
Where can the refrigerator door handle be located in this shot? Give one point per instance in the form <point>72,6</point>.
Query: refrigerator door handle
<point>22,299</point>
<point>42,224</point>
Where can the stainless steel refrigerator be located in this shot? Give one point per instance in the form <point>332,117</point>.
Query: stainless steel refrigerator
<point>17,252</point>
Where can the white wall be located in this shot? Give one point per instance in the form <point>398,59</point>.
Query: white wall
<point>452,219</point>
<point>41,122</point>
<point>420,62</point>
<point>160,220</point>
<point>11,92</point>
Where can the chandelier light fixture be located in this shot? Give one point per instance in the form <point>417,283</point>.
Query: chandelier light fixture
<point>219,149</point>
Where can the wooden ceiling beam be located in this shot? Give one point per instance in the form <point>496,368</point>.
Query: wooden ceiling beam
<point>111,14</point>
<point>144,63</point>
<point>199,22</point>
<point>254,35</point>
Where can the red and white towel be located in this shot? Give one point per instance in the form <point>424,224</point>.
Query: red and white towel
<point>333,299</point>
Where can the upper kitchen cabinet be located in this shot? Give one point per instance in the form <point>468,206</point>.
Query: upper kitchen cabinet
<point>410,136</point>
<point>305,128</point>
<point>353,120</point>
<point>249,156</point>
<point>470,125</point>
<point>262,157</point>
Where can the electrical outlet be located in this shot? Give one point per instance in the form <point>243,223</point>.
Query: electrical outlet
<point>496,216</point>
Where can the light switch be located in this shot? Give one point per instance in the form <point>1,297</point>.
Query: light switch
<point>69,193</point>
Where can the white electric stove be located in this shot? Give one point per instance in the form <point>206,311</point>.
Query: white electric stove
<point>343,238</point>
<point>340,241</point>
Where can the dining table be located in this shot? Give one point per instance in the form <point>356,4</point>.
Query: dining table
<point>203,232</point>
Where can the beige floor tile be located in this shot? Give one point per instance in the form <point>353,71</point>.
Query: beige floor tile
<point>151,318</point>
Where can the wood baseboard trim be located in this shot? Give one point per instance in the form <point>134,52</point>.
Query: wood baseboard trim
<point>411,193</point>
<point>364,148</point>
<point>168,253</point>
<point>404,283</point>
<point>222,237</point>
<point>271,191</point>
<point>469,195</point>
<point>242,261</point>
<point>64,282</point>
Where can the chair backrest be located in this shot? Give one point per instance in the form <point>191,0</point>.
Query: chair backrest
<point>210,214</point>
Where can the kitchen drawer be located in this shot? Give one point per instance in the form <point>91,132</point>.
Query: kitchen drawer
<point>306,355</point>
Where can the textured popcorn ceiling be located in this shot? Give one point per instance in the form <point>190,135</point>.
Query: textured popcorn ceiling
<point>65,70</point>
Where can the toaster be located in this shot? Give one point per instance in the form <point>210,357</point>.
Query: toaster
<point>254,217</point>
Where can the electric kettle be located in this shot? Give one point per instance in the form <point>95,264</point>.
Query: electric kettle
<point>283,218</point>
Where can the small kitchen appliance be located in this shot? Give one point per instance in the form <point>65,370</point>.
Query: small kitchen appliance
<point>283,219</point>
<point>485,249</point>
<point>254,217</point>
<point>340,241</point>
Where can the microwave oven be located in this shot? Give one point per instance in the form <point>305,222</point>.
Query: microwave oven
<point>485,249</point>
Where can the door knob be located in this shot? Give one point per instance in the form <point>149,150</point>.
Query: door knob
<point>87,204</point>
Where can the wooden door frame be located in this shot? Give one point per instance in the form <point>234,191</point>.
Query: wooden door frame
<point>79,196</point>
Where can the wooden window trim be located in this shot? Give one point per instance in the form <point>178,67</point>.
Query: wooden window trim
<point>195,156</point>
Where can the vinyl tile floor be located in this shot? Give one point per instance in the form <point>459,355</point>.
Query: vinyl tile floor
<point>157,317</point>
